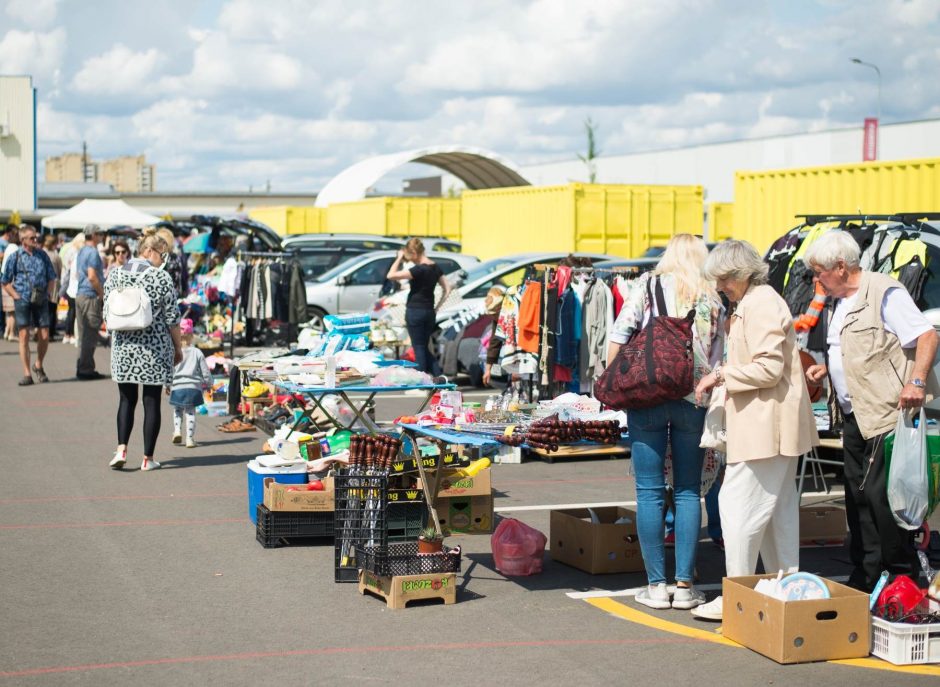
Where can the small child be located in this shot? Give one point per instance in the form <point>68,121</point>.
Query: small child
<point>190,378</point>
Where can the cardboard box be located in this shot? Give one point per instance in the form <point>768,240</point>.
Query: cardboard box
<point>822,526</point>
<point>595,548</point>
<point>796,631</point>
<point>278,498</point>
<point>466,514</point>
<point>478,485</point>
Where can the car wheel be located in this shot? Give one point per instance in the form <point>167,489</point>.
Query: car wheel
<point>315,317</point>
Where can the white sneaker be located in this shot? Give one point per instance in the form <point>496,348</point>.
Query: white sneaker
<point>687,597</point>
<point>149,465</point>
<point>118,461</point>
<point>710,611</point>
<point>191,443</point>
<point>177,438</point>
<point>654,596</point>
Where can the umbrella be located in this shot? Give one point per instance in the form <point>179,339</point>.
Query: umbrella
<point>197,244</point>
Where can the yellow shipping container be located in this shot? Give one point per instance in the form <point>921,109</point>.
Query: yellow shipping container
<point>290,220</point>
<point>720,221</point>
<point>766,202</point>
<point>621,220</point>
<point>397,217</point>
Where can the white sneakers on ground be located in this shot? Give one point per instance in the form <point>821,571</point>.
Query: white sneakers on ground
<point>177,438</point>
<point>710,611</point>
<point>686,598</point>
<point>654,596</point>
<point>191,443</point>
<point>149,464</point>
<point>120,457</point>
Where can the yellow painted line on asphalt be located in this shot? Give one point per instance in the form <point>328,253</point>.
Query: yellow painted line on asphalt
<point>622,611</point>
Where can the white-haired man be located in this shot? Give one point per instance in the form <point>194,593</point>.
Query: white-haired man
<point>880,354</point>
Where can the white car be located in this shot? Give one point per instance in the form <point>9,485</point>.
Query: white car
<point>354,285</point>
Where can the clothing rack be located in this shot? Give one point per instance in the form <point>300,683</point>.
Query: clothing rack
<point>239,254</point>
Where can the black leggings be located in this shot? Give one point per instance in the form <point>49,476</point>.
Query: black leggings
<point>125,414</point>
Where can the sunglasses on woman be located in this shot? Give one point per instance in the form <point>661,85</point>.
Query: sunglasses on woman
<point>120,252</point>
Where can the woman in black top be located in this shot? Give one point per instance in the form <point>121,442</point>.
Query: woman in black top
<point>420,312</point>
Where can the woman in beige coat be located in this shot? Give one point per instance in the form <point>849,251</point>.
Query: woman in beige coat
<point>768,417</point>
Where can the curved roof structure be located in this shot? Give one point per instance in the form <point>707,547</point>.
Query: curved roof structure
<point>475,167</point>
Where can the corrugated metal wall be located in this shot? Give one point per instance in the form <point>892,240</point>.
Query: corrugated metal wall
<point>720,221</point>
<point>287,220</point>
<point>603,218</point>
<point>765,203</point>
<point>18,148</point>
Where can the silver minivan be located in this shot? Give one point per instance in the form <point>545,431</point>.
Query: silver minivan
<point>354,285</point>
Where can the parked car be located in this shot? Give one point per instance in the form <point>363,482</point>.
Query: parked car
<point>354,285</point>
<point>372,241</point>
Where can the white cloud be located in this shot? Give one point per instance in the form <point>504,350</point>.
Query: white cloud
<point>119,71</point>
<point>35,13</point>
<point>58,128</point>
<point>31,52</point>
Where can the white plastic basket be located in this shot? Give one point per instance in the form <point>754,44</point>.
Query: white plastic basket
<point>905,644</point>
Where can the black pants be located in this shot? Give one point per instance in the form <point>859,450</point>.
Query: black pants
<point>53,319</point>
<point>70,317</point>
<point>420,323</point>
<point>876,543</point>
<point>125,415</point>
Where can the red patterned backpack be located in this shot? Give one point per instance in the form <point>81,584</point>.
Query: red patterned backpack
<point>655,365</point>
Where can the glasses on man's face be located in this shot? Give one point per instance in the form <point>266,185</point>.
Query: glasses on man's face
<point>31,237</point>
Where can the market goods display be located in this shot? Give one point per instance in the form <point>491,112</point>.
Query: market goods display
<point>547,434</point>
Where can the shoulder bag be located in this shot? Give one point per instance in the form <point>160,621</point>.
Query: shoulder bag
<point>655,366</point>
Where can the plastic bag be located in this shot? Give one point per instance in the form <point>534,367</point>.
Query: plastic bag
<point>517,548</point>
<point>908,482</point>
<point>714,434</point>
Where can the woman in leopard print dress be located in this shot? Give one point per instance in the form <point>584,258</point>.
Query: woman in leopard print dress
<point>145,356</point>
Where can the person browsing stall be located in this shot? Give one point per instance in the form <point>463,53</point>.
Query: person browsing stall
<point>768,419</point>
<point>144,357</point>
<point>880,353</point>
<point>420,310</point>
<point>679,423</point>
<point>88,301</point>
<point>28,279</point>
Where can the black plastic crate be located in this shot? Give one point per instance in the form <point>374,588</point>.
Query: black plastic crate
<point>404,559</point>
<point>406,519</point>
<point>279,528</point>
<point>361,503</point>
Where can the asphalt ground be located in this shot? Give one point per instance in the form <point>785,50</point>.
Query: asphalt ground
<point>117,578</point>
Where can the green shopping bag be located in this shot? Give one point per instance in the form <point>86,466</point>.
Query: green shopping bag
<point>933,468</point>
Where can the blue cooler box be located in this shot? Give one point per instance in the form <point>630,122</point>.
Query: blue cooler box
<point>296,474</point>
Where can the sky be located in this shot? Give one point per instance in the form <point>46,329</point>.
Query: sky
<point>232,94</point>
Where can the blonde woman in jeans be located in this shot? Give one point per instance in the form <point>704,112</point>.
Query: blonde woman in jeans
<point>768,417</point>
<point>679,423</point>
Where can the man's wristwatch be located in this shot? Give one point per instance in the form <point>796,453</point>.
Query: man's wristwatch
<point>919,383</point>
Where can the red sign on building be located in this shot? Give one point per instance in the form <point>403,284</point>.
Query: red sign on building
<point>870,144</point>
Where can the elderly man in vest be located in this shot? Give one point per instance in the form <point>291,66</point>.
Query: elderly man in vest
<point>880,358</point>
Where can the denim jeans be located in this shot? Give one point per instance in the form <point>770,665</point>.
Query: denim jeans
<point>711,512</point>
<point>420,323</point>
<point>680,423</point>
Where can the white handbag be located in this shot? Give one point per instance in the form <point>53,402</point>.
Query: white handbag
<point>714,434</point>
<point>129,309</point>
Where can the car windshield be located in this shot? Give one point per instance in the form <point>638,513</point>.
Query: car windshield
<point>342,267</point>
<point>484,268</point>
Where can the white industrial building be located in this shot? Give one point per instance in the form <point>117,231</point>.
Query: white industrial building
<point>713,165</point>
<point>17,143</point>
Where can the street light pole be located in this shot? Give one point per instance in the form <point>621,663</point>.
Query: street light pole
<point>855,60</point>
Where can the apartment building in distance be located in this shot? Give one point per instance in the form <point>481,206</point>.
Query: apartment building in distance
<point>127,174</point>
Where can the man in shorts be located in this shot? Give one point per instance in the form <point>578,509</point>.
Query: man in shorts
<point>29,278</point>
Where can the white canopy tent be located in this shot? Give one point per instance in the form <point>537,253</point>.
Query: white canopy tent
<point>104,213</point>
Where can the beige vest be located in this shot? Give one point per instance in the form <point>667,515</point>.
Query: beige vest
<point>876,367</point>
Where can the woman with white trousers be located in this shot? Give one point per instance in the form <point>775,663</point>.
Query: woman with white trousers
<point>768,418</point>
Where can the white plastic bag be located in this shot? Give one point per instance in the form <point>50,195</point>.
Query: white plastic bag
<point>908,481</point>
<point>714,434</point>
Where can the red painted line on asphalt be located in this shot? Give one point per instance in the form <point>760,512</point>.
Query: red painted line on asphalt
<point>249,655</point>
<point>134,497</point>
<point>135,523</point>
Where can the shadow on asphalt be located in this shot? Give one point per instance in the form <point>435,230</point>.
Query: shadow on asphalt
<point>202,461</point>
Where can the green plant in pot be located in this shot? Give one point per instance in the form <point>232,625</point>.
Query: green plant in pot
<point>430,540</point>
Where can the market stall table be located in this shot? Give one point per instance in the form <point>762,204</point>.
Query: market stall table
<point>315,395</point>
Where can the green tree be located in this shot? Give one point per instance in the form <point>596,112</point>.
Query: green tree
<point>593,152</point>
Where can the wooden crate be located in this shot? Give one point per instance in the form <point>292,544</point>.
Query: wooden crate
<point>399,590</point>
